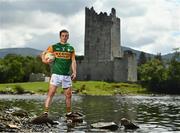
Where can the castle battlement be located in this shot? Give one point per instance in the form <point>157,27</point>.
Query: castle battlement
<point>91,11</point>
<point>102,16</point>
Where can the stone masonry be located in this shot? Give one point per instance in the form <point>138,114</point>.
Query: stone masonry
<point>104,59</point>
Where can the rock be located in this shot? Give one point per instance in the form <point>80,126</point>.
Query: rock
<point>20,113</point>
<point>74,117</point>
<point>74,114</point>
<point>2,127</point>
<point>12,126</point>
<point>128,124</point>
<point>43,119</point>
<point>15,111</point>
<point>105,125</point>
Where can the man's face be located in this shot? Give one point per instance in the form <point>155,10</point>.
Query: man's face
<point>64,37</point>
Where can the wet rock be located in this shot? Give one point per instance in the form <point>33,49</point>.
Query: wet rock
<point>12,126</point>
<point>105,125</point>
<point>14,119</point>
<point>74,114</point>
<point>128,124</point>
<point>15,111</point>
<point>74,117</point>
<point>20,113</point>
<point>10,120</point>
<point>43,119</point>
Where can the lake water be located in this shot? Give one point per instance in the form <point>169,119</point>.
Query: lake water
<point>153,114</point>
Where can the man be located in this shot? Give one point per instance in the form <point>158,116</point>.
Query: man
<point>60,70</point>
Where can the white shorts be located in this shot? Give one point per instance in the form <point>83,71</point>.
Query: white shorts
<point>61,80</point>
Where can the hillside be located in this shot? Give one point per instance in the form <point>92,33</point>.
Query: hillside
<point>137,52</point>
<point>20,51</point>
<point>35,52</point>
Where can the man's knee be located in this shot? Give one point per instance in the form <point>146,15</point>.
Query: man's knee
<point>68,93</point>
<point>52,91</point>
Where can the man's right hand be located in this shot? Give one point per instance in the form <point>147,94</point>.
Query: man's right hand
<point>43,58</point>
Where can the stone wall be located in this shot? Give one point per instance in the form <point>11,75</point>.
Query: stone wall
<point>120,69</point>
<point>100,71</point>
<point>132,66</point>
<point>33,77</point>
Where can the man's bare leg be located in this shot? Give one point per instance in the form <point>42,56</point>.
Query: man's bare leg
<point>68,95</point>
<point>51,92</point>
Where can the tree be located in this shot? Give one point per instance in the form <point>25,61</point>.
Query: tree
<point>152,74</point>
<point>16,68</point>
<point>158,56</point>
<point>13,68</point>
<point>142,59</point>
<point>173,81</point>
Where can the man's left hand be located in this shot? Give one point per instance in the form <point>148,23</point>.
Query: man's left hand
<point>73,76</point>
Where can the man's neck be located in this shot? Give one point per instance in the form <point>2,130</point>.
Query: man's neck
<point>63,42</point>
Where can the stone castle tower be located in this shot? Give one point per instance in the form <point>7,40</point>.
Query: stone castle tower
<point>102,36</point>
<point>104,59</point>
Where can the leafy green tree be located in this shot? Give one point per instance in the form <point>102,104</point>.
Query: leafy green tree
<point>16,68</point>
<point>3,70</point>
<point>13,71</point>
<point>158,56</point>
<point>152,74</point>
<point>152,70</point>
<point>142,59</point>
<point>173,81</point>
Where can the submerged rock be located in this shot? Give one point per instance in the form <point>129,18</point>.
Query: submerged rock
<point>105,125</point>
<point>128,124</point>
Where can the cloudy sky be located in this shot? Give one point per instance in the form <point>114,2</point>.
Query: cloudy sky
<point>152,26</point>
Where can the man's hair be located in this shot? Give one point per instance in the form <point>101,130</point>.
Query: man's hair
<point>62,32</point>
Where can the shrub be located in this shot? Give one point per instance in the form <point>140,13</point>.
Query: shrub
<point>18,89</point>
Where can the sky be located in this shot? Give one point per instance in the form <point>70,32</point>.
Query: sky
<point>151,26</point>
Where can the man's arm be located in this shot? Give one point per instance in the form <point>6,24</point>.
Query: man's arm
<point>73,66</point>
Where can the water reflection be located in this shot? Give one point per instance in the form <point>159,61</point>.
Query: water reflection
<point>151,113</point>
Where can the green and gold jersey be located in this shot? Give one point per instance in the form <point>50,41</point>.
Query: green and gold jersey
<point>64,53</point>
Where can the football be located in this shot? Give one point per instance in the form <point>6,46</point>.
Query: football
<point>49,57</point>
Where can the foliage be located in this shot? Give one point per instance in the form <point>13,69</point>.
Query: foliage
<point>142,59</point>
<point>16,68</point>
<point>152,70</point>
<point>158,56</point>
<point>18,89</point>
<point>161,77</point>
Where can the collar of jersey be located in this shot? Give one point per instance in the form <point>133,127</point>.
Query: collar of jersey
<point>63,44</point>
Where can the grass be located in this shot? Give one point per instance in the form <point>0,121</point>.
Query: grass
<point>81,87</point>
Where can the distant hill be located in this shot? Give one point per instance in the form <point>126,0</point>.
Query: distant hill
<point>35,52</point>
<point>20,51</point>
<point>148,55</point>
<point>169,56</point>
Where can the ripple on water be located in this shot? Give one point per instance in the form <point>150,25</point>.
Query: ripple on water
<point>152,113</point>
